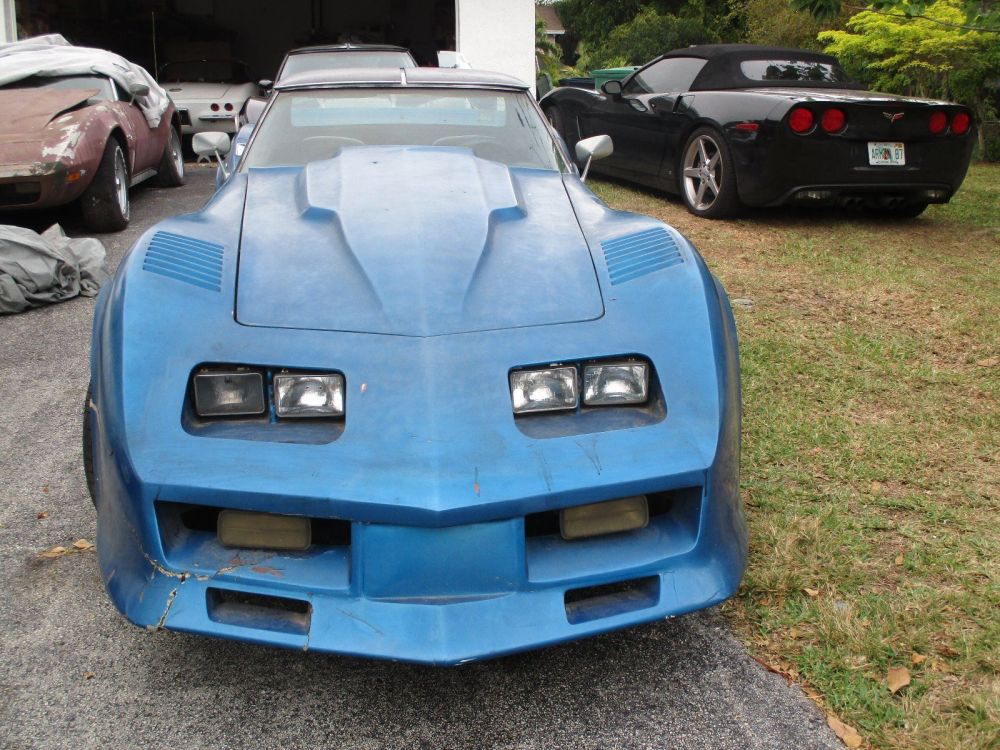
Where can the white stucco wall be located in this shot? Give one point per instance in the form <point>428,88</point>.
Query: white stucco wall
<point>8,27</point>
<point>498,35</point>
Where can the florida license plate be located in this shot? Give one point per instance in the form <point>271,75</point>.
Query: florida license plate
<point>882,153</point>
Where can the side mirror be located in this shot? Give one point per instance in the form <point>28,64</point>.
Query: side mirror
<point>612,88</point>
<point>255,108</point>
<point>212,144</point>
<point>138,88</point>
<point>265,85</point>
<point>597,147</point>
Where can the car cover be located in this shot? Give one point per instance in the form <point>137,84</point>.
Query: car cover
<point>36,269</point>
<point>51,55</point>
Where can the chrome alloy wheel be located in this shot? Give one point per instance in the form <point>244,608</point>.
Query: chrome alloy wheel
<point>121,183</point>
<point>702,172</point>
<point>176,154</point>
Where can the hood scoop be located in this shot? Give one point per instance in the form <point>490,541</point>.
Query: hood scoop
<point>412,241</point>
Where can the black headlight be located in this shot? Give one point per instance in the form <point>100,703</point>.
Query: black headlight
<point>229,393</point>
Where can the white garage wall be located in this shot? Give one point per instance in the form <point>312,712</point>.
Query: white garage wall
<point>8,28</point>
<point>498,35</point>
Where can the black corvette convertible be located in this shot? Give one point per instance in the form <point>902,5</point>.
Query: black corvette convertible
<point>732,125</point>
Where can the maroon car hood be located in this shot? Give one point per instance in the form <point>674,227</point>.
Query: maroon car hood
<point>28,111</point>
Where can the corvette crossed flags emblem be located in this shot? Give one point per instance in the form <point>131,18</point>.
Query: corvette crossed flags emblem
<point>893,116</point>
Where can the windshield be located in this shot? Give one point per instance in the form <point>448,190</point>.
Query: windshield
<point>306,62</point>
<point>794,70</point>
<point>204,71</point>
<point>305,126</point>
<point>105,89</point>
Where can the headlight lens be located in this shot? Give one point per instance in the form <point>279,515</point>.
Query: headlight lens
<point>309,395</point>
<point>231,394</point>
<point>550,389</point>
<point>615,383</point>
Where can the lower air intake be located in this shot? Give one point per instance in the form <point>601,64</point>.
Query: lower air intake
<point>258,611</point>
<point>608,600</point>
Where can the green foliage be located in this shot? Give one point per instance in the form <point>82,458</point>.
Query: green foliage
<point>612,33</point>
<point>646,36</point>
<point>983,14</point>
<point>776,23</point>
<point>931,55</point>
<point>590,20</point>
<point>547,52</point>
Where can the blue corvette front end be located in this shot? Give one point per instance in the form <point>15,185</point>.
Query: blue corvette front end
<point>423,278</point>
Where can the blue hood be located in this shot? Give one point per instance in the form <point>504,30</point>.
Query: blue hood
<point>413,242</point>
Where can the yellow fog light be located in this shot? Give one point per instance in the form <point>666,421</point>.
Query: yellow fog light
<point>625,514</point>
<point>239,528</point>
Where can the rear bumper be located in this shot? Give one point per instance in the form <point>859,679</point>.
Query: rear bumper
<point>199,117</point>
<point>881,195</point>
<point>774,169</point>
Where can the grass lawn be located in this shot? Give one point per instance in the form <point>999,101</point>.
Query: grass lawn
<point>871,455</point>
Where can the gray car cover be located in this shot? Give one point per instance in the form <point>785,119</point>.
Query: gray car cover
<point>51,55</point>
<point>36,269</point>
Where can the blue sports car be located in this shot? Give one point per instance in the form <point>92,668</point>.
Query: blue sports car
<point>405,388</point>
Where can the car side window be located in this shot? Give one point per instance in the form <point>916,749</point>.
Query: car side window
<point>119,93</point>
<point>672,75</point>
<point>108,90</point>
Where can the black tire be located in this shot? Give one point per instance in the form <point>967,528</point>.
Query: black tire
<point>88,451</point>
<point>904,211</point>
<point>105,203</point>
<point>170,172</point>
<point>708,187</point>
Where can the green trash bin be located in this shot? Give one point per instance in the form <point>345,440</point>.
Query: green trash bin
<point>610,74</point>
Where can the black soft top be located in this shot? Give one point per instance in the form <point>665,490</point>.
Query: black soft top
<point>722,70</point>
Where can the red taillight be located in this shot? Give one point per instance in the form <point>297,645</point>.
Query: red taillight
<point>961,123</point>
<point>229,107</point>
<point>800,120</point>
<point>938,122</point>
<point>833,120</point>
<point>214,107</point>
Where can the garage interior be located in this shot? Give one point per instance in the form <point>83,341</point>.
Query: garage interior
<point>258,32</point>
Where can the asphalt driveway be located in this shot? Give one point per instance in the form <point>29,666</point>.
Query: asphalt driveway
<point>74,673</point>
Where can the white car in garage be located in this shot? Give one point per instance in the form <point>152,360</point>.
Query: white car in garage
<point>208,94</point>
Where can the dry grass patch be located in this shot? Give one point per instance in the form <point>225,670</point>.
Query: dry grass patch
<point>871,455</point>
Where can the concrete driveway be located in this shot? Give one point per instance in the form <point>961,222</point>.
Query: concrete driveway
<point>74,673</point>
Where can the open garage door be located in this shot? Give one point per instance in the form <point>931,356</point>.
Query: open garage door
<point>258,32</point>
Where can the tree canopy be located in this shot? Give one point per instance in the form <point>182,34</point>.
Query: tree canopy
<point>929,55</point>
<point>977,15</point>
<point>614,33</point>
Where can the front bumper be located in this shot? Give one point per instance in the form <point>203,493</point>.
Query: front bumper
<point>39,185</point>
<point>441,595</point>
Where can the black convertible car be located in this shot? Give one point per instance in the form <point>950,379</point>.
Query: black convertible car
<point>731,125</point>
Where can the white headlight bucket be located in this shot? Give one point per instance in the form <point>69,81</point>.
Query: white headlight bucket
<point>304,395</point>
<point>550,389</point>
<point>612,383</point>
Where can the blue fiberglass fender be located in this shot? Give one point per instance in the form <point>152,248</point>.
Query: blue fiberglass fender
<point>431,470</point>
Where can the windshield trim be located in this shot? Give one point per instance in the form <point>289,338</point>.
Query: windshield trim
<point>565,163</point>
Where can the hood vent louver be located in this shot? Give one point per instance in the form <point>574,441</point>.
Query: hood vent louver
<point>634,255</point>
<point>185,259</point>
